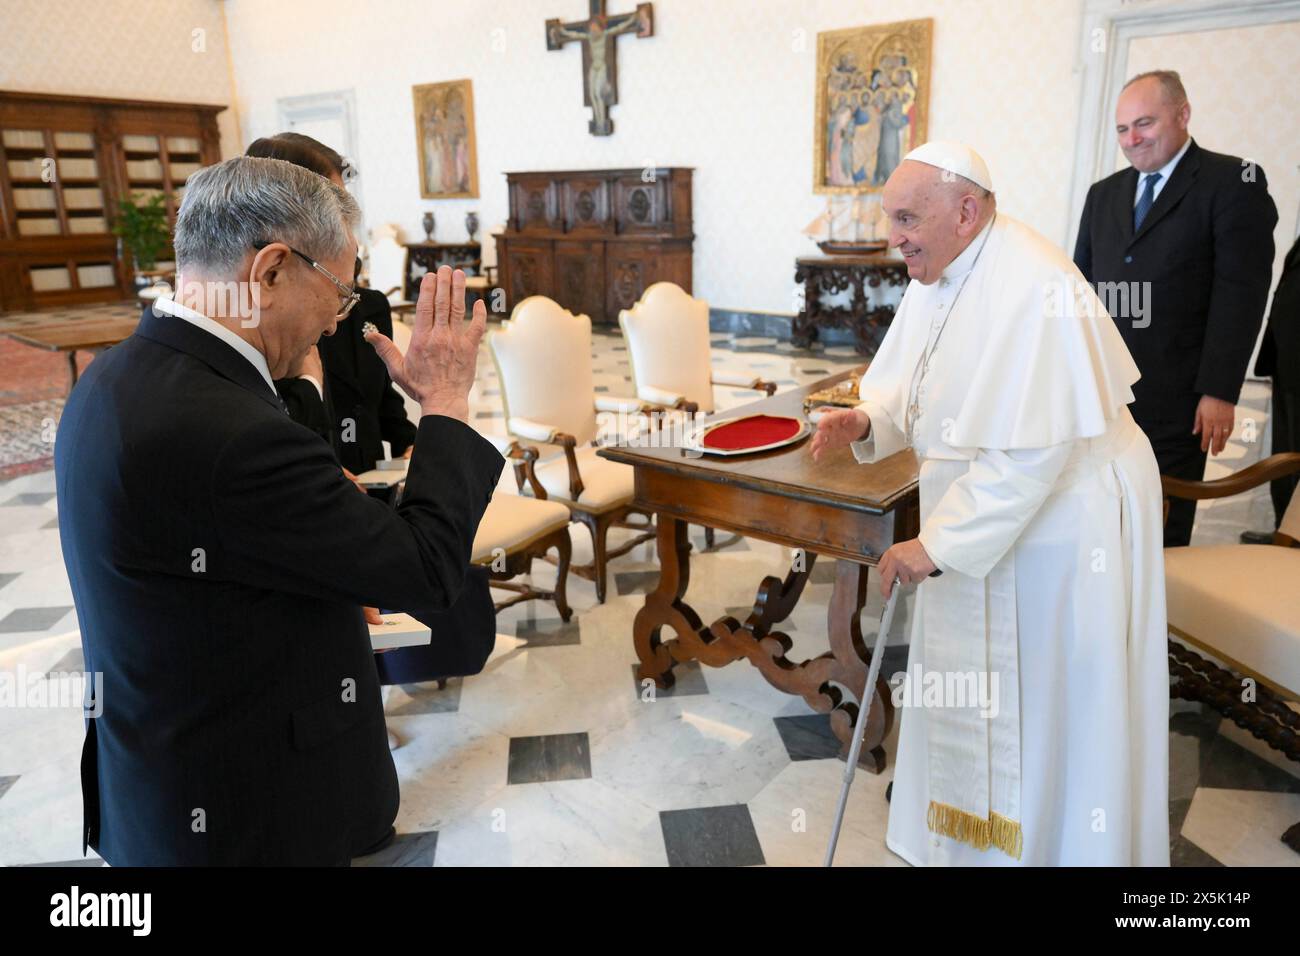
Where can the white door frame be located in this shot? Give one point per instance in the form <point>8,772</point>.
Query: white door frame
<point>340,105</point>
<point>1109,26</point>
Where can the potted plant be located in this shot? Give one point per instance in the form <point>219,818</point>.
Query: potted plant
<point>141,224</point>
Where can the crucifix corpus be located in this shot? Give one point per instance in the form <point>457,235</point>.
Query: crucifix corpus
<point>600,55</point>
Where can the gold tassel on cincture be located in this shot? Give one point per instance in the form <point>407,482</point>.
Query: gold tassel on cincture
<point>979,832</point>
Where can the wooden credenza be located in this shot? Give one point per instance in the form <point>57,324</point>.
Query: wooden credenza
<point>593,239</point>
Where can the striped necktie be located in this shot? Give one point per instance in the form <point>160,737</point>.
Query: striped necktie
<point>1146,201</point>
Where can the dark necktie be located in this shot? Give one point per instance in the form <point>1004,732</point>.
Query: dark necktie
<point>1146,201</point>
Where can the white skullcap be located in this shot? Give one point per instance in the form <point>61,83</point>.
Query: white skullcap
<point>955,158</point>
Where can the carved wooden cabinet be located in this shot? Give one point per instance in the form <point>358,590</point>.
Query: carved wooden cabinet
<point>592,240</point>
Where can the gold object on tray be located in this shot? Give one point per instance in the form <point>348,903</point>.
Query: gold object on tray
<point>841,395</point>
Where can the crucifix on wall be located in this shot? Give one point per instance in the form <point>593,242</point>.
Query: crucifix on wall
<point>599,54</point>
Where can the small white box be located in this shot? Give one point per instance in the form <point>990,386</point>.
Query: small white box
<point>399,630</point>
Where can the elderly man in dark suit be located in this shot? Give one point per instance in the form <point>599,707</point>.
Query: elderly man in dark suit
<point>1180,246</point>
<point>219,559</point>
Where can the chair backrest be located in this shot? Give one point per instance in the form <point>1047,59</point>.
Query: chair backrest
<point>488,247</point>
<point>388,265</point>
<point>667,336</point>
<point>402,339</point>
<point>543,359</point>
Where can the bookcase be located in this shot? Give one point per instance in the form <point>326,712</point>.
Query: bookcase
<point>65,164</point>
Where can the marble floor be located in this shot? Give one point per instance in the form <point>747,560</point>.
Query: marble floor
<point>554,755</point>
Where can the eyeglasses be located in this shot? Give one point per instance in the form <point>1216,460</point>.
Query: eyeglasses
<point>348,297</point>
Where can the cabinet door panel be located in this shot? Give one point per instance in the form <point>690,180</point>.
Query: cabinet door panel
<point>580,278</point>
<point>639,206</point>
<point>531,270</point>
<point>629,269</point>
<point>585,205</point>
<point>535,204</point>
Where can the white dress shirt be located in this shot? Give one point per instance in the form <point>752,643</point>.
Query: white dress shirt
<point>198,319</point>
<point>213,327</point>
<point>1165,172</point>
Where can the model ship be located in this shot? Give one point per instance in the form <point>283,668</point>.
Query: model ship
<point>852,230</point>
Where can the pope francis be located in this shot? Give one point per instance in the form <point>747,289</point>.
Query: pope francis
<point>1040,503</point>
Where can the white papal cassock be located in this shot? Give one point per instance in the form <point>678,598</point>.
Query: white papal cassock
<point>1040,501</point>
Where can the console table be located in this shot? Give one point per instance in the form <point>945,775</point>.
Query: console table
<point>425,257</point>
<point>867,317</point>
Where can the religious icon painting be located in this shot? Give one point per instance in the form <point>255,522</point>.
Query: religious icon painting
<point>444,134</point>
<point>872,103</point>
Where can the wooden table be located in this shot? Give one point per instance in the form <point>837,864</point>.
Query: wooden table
<point>836,509</point>
<point>73,336</point>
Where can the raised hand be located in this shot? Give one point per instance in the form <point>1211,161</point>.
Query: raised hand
<point>439,367</point>
<point>838,429</point>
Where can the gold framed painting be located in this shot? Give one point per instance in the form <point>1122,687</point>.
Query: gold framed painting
<point>444,135</point>
<point>873,103</point>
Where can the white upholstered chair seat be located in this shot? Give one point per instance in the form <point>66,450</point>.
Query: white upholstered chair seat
<point>1241,603</point>
<point>512,522</point>
<point>605,484</point>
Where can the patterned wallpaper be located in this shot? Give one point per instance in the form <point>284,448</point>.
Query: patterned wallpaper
<point>136,49</point>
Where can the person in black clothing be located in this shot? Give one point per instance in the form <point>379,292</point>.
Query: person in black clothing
<point>1184,237</point>
<point>1279,356</point>
<point>342,390</point>
<point>219,559</point>
<point>356,408</point>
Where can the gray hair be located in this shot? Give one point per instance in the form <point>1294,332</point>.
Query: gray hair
<point>234,204</point>
<point>1170,83</point>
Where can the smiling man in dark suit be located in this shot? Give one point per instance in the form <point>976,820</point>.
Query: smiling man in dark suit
<point>1184,238</point>
<point>219,559</point>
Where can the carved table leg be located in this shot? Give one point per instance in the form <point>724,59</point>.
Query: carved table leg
<point>664,605</point>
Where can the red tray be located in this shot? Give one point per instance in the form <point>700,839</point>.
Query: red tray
<point>748,434</point>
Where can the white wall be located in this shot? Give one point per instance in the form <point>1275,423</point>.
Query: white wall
<point>1258,120</point>
<point>725,86</point>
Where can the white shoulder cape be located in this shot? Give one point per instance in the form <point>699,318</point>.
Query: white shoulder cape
<point>1030,357</point>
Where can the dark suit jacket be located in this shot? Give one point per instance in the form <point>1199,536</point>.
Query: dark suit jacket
<point>1206,247</point>
<point>218,561</point>
<point>1279,353</point>
<point>361,402</point>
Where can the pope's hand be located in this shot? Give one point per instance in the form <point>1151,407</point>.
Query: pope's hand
<point>439,367</point>
<point>906,561</point>
<point>839,429</point>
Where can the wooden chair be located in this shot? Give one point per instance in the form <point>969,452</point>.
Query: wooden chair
<point>543,359</point>
<point>667,337</point>
<point>514,529</point>
<point>1240,603</point>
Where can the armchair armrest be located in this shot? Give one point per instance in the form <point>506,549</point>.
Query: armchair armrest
<point>525,457</point>
<point>655,414</point>
<point>743,381</point>
<point>1274,466</point>
<point>659,396</point>
<point>530,429</point>
<point>502,443</point>
<point>570,445</point>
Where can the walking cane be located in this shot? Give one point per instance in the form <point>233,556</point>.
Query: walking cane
<point>864,708</point>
